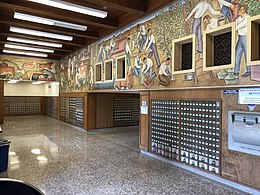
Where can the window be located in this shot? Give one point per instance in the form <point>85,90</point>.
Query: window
<point>121,68</point>
<point>219,47</point>
<point>183,55</point>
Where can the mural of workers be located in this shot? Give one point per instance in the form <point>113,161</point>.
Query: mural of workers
<point>128,52</point>
<point>241,48</point>
<point>149,40</point>
<point>225,8</point>
<point>141,34</point>
<point>210,22</point>
<point>198,11</point>
<point>150,44</point>
<point>165,73</point>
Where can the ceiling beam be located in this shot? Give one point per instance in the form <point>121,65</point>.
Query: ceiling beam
<point>47,11</point>
<point>124,5</point>
<point>51,29</point>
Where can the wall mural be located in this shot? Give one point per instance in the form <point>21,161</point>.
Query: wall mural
<point>76,72</point>
<point>27,69</point>
<point>147,47</point>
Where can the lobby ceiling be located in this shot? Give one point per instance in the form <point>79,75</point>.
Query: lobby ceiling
<point>119,14</point>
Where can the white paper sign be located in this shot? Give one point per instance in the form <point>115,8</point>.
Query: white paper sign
<point>249,96</point>
<point>144,109</point>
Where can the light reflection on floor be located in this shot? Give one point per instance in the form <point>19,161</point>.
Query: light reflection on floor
<point>61,159</point>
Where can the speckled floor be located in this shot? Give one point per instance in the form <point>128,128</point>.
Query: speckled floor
<point>61,159</point>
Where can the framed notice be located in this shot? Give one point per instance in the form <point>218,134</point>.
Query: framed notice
<point>249,96</point>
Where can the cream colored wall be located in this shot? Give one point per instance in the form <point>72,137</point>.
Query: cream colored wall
<point>28,89</point>
<point>51,89</point>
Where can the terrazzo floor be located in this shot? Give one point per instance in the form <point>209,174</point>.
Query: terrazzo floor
<point>61,159</point>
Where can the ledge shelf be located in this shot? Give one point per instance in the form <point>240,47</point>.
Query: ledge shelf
<point>183,55</point>
<point>219,47</point>
<point>253,41</point>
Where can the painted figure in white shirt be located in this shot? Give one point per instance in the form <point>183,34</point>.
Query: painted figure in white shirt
<point>112,44</point>
<point>150,44</point>
<point>241,48</point>
<point>225,6</point>
<point>148,64</point>
<point>143,35</point>
<point>210,22</point>
<point>137,65</point>
<point>199,11</point>
<point>128,52</point>
<point>165,73</point>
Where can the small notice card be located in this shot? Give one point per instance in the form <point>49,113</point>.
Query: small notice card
<point>249,96</point>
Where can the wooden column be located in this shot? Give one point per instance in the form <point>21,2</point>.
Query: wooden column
<point>58,107</point>
<point>144,131</point>
<point>90,111</point>
<point>104,110</point>
<point>1,102</point>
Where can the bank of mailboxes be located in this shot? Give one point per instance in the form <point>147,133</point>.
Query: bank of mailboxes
<point>188,127</point>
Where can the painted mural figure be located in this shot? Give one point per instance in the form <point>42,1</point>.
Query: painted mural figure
<point>210,22</point>
<point>143,35</point>
<point>148,63</point>
<point>91,77</point>
<point>137,65</point>
<point>150,44</point>
<point>107,52</point>
<point>128,52</point>
<point>101,53</point>
<point>199,11</point>
<point>165,73</point>
<point>241,48</point>
<point>112,44</point>
<point>225,7</point>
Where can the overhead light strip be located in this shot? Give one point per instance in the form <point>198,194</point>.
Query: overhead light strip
<point>40,33</point>
<point>25,53</point>
<point>12,46</point>
<point>41,20</point>
<point>73,7</point>
<point>34,42</point>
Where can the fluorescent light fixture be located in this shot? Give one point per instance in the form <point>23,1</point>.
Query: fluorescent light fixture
<point>34,42</point>
<point>47,21</point>
<point>12,82</point>
<point>73,7</point>
<point>31,18</point>
<point>40,33</point>
<point>26,53</point>
<point>12,46</point>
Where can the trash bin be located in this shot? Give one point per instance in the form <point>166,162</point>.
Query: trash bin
<point>4,151</point>
<point>17,187</point>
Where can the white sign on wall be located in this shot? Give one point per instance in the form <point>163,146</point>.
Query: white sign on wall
<point>249,96</point>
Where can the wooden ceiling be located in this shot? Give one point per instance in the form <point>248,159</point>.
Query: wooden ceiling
<point>120,13</point>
